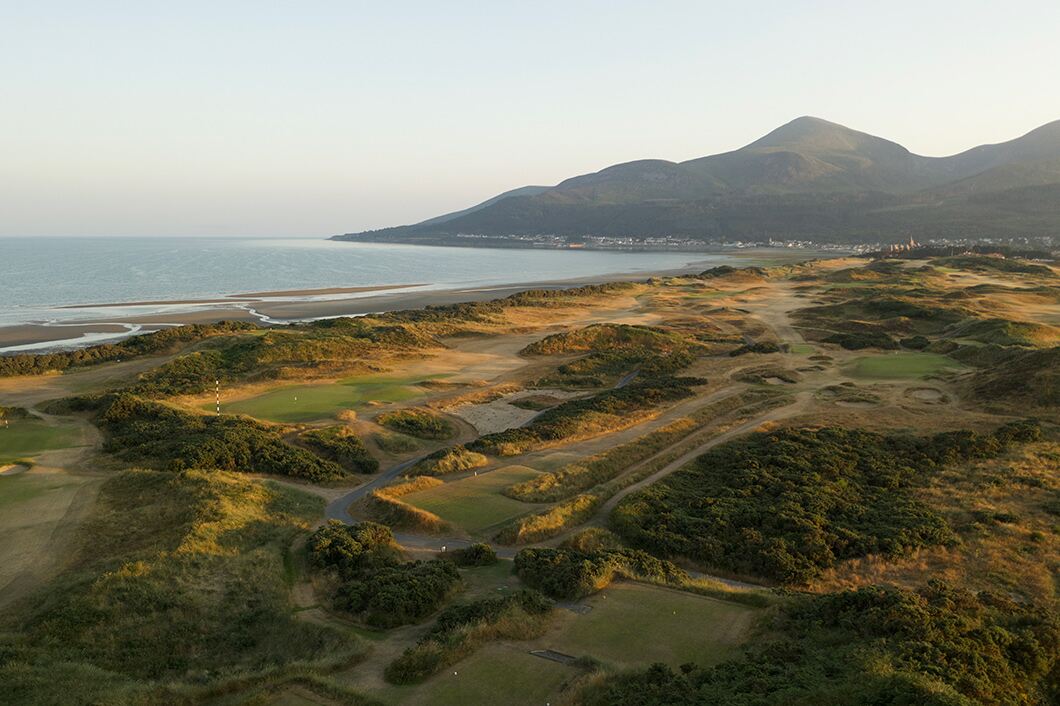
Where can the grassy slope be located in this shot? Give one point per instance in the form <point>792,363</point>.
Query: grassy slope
<point>180,583</point>
<point>28,437</point>
<point>475,503</point>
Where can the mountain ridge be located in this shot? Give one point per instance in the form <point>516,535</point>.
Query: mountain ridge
<point>806,179</point>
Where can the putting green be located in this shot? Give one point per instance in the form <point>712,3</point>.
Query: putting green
<point>900,365</point>
<point>23,438</point>
<point>475,503</point>
<point>634,624</point>
<point>802,349</point>
<point>307,403</point>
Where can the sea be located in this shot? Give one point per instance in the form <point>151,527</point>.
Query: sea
<point>40,277</point>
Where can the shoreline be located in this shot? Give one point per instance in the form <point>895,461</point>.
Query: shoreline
<point>32,337</point>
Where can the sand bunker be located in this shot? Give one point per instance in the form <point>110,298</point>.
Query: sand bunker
<point>499,415</point>
<point>930,395</point>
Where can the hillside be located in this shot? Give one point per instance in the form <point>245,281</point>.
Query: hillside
<point>808,179</point>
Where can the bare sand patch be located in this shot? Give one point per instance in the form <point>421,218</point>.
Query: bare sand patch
<point>501,414</point>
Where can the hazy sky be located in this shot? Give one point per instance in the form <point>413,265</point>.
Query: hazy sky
<point>312,118</point>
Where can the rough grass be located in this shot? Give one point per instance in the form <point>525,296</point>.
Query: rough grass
<point>633,624</point>
<point>475,503</point>
<point>386,506</point>
<point>421,423</point>
<point>179,584</point>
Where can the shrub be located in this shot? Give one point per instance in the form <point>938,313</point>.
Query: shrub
<point>476,555</point>
<point>341,445</point>
<point>421,423</point>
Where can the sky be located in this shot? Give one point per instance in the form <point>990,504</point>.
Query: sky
<point>311,118</point>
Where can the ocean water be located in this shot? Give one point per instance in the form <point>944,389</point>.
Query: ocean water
<point>39,275</point>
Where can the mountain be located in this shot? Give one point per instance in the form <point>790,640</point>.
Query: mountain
<point>807,179</point>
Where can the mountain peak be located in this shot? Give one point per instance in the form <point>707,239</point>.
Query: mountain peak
<point>808,133</point>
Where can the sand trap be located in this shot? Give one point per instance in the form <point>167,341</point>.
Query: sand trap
<point>928,394</point>
<point>500,414</point>
<point>775,381</point>
<point>13,469</point>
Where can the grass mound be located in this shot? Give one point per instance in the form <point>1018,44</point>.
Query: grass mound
<point>386,506</point>
<point>421,423</point>
<point>179,584</point>
<point>341,445</point>
<point>451,460</point>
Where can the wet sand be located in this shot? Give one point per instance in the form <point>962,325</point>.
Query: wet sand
<point>248,297</point>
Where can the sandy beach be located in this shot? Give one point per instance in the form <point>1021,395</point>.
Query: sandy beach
<point>285,306</point>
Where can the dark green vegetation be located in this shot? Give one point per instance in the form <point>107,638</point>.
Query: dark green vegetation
<point>158,435</point>
<point>568,573</point>
<point>421,423</point>
<point>476,555</point>
<point>341,445</point>
<point>581,418</point>
<point>612,350</point>
<point>176,588</point>
<point>788,504</point>
<point>460,629</point>
<point>807,179</point>
<point>372,582</point>
<point>940,646</point>
<point>164,341</point>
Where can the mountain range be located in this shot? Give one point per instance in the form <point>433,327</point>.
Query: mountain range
<point>810,179</point>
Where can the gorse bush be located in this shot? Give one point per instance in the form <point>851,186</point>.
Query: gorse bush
<point>161,436</point>
<point>940,646</point>
<point>374,584</point>
<point>580,418</point>
<point>786,505</point>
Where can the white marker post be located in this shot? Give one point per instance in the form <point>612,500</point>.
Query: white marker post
<point>217,389</point>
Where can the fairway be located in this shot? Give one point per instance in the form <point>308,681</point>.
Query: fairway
<point>635,624</point>
<point>28,437</point>
<point>496,674</point>
<point>475,503</point>
<point>307,403</point>
<point>901,365</point>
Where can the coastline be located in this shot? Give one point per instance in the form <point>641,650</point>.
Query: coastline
<point>281,307</point>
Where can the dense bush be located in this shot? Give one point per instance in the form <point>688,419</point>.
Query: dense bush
<point>574,419</point>
<point>352,549</point>
<point>567,574</point>
<point>163,436</point>
<point>400,593</point>
<point>863,339</point>
<point>374,584</point>
<point>162,341</point>
<point>937,647</point>
<point>421,423</point>
<point>787,504</point>
<point>341,445</point>
<point>475,555</point>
